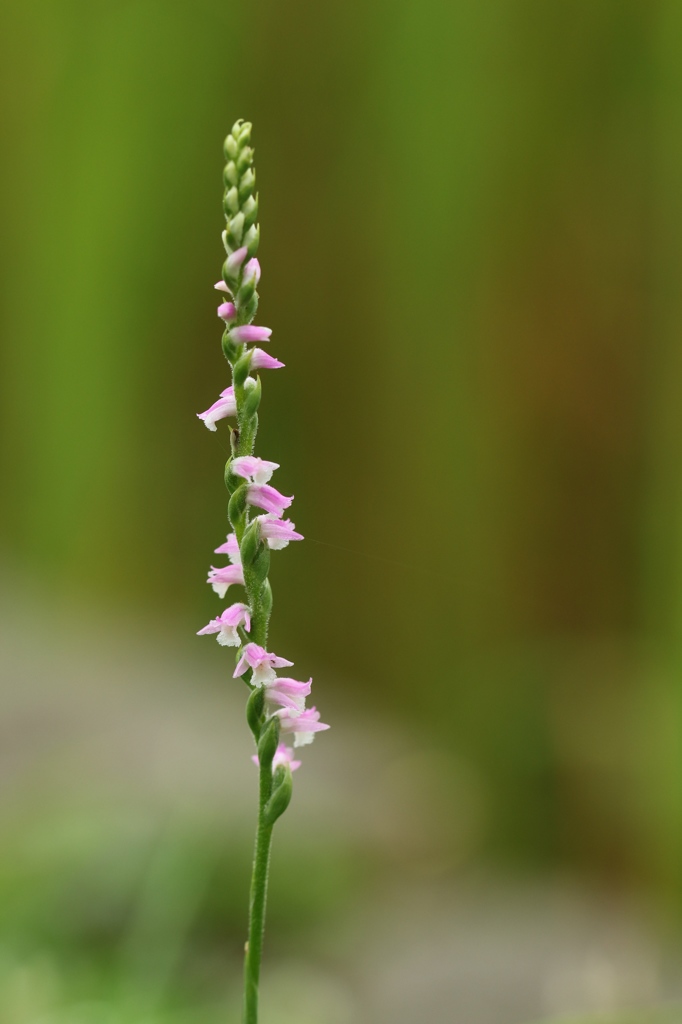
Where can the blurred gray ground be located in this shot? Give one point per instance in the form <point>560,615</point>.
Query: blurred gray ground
<point>127,801</point>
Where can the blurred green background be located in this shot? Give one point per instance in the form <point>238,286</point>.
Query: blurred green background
<point>471,216</point>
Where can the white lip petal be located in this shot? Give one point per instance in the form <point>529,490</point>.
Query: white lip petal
<point>228,637</point>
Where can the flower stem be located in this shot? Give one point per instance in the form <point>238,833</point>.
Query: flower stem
<point>258,896</point>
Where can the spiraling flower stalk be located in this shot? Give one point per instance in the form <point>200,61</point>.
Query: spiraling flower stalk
<point>276,705</point>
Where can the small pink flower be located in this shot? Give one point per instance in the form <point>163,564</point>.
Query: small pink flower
<point>226,625</point>
<point>256,470</point>
<point>249,332</point>
<point>221,579</point>
<point>260,360</point>
<point>225,406</point>
<point>303,726</point>
<point>277,532</point>
<point>252,269</point>
<point>227,311</point>
<point>220,286</point>
<point>230,548</point>
<point>283,755</point>
<point>267,498</point>
<point>261,662</point>
<point>288,693</point>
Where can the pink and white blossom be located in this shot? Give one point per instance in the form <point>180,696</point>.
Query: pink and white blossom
<point>227,311</point>
<point>261,662</point>
<point>225,406</point>
<point>277,532</point>
<point>288,693</point>
<point>283,755</point>
<point>258,471</point>
<point>303,725</point>
<point>260,360</point>
<point>220,286</point>
<point>231,549</point>
<point>248,333</point>
<point>268,498</point>
<point>221,579</point>
<point>226,625</point>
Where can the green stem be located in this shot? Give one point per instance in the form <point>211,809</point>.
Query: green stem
<point>259,888</point>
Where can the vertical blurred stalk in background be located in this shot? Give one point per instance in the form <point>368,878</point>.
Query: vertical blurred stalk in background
<point>659,744</point>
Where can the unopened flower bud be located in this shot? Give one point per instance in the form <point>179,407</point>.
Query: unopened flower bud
<point>252,398</point>
<point>247,183</point>
<point>252,270</point>
<point>260,360</point>
<point>227,311</point>
<point>244,159</point>
<point>232,265</point>
<point>242,132</point>
<point>230,174</point>
<point>235,230</point>
<point>252,239</point>
<point>231,202</point>
<point>250,211</point>
<point>250,332</point>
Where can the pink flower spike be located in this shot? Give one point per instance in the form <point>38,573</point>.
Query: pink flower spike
<point>227,311</point>
<point>288,693</point>
<point>231,549</point>
<point>249,332</point>
<point>277,532</point>
<point>261,662</point>
<point>221,579</point>
<point>260,360</point>
<point>256,470</point>
<point>220,286</point>
<point>303,726</point>
<point>267,498</point>
<point>225,406</point>
<point>252,269</point>
<point>283,755</point>
<point>226,625</point>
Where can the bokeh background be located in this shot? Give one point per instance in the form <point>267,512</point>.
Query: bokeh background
<point>471,217</point>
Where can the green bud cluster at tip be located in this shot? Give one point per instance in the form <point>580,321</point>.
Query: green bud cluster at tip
<point>240,205</point>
